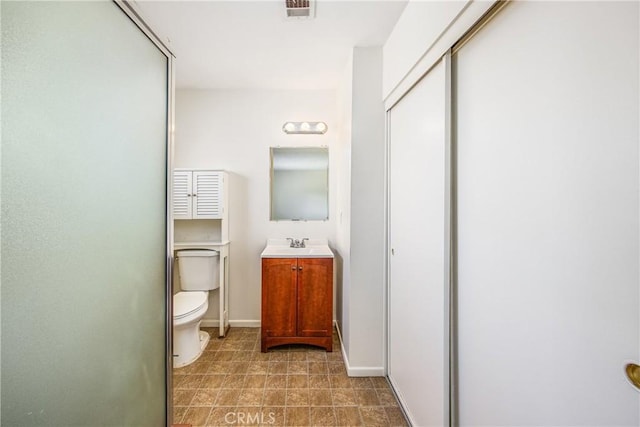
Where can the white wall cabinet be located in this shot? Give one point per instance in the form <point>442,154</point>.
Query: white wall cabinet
<point>202,195</point>
<point>198,194</point>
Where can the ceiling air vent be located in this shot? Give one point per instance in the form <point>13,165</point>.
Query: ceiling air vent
<point>300,9</point>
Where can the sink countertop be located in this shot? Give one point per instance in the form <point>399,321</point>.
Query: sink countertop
<point>280,248</point>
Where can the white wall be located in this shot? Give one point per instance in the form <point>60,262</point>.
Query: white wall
<point>415,33</point>
<point>233,130</point>
<point>367,213</point>
<point>424,32</point>
<point>343,229</point>
<point>361,232</point>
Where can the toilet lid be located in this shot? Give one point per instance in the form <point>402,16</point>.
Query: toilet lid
<point>185,303</point>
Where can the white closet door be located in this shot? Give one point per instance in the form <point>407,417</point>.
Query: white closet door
<point>418,331</point>
<point>547,141</point>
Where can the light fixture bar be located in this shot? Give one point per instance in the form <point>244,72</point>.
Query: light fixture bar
<point>312,128</point>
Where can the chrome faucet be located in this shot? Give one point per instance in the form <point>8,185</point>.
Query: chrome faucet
<point>297,243</point>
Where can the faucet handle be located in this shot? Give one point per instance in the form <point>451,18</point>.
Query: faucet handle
<point>302,242</point>
<point>292,242</point>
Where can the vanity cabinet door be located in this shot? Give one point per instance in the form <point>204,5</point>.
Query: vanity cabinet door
<point>315,297</point>
<point>279,279</point>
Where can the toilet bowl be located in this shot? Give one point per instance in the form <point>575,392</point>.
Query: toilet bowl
<point>199,273</point>
<point>188,340</point>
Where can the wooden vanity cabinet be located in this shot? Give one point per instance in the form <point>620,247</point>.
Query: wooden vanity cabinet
<point>297,302</point>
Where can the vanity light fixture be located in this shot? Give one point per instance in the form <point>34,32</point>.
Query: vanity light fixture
<point>317,128</point>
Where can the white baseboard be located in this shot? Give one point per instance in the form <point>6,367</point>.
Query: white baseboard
<point>358,371</point>
<point>214,323</point>
<point>369,371</point>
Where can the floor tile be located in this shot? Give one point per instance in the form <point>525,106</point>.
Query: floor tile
<point>221,416</point>
<point>386,397</point>
<point>273,415</point>
<point>298,368</point>
<point>233,381</point>
<point>255,381</point>
<point>347,416</point>
<point>274,397</point>
<point>373,416</point>
<point>395,416</point>
<point>183,397</point>
<point>344,397</point>
<point>178,413</point>
<point>361,382</point>
<point>212,381</point>
<point>339,381</point>
<point>196,416</point>
<point>320,397</point>
<point>297,381</point>
<point>189,382</point>
<point>297,397</point>
<point>322,416</point>
<point>367,397</point>
<point>205,397</point>
<point>250,397</point>
<point>228,397</point>
<point>318,368</point>
<point>276,381</point>
<point>296,416</point>
<point>234,384</point>
<point>319,381</point>
<point>277,367</point>
<point>258,367</point>
<point>380,382</point>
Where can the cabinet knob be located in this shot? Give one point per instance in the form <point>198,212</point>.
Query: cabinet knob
<point>293,267</point>
<point>300,268</point>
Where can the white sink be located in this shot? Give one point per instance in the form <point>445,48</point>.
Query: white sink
<point>280,248</point>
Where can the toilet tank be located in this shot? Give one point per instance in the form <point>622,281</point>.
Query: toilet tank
<point>199,269</point>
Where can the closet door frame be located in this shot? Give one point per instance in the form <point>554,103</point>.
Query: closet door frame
<point>448,303</point>
<point>471,20</point>
<point>130,9</point>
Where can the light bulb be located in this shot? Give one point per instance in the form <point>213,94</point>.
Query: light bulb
<point>289,127</point>
<point>321,127</point>
<point>305,127</point>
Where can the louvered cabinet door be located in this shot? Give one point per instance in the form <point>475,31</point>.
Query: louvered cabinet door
<point>182,195</point>
<point>207,195</point>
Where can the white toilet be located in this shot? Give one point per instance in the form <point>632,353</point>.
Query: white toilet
<point>199,273</point>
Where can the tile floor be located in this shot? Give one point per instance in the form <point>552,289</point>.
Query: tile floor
<point>233,383</point>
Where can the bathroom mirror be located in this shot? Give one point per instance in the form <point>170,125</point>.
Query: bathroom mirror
<point>299,183</point>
